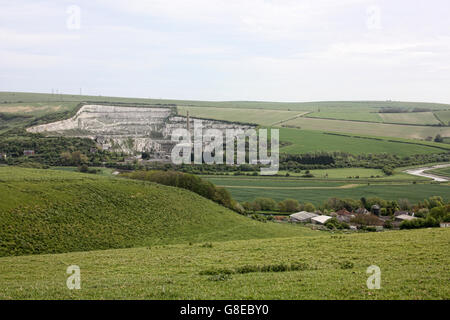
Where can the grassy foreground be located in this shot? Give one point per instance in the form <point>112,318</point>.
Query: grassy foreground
<point>414,265</point>
<point>50,211</point>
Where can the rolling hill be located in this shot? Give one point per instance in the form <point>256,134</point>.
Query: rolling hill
<point>49,211</point>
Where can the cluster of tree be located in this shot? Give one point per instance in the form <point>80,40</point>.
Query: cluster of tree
<point>403,110</point>
<point>49,150</point>
<point>438,138</point>
<point>420,223</point>
<point>375,161</point>
<point>268,204</point>
<point>434,206</point>
<point>190,182</point>
<point>335,224</point>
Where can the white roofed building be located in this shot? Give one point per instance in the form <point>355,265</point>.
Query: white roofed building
<point>320,219</point>
<point>302,216</point>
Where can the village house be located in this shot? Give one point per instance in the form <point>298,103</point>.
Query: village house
<point>280,218</point>
<point>302,216</point>
<point>375,209</point>
<point>399,213</point>
<point>362,211</point>
<point>444,224</point>
<point>404,217</point>
<point>320,219</point>
<point>343,215</point>
<point>2,155</point>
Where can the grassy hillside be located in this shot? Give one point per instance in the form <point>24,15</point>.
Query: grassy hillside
<point>21,97</point>
<point>414,265</point>
<point>49,211</point>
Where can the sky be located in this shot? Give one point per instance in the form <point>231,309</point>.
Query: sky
<point>285,50</point>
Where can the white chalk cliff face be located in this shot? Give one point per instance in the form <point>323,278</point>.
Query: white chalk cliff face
<point>127,129</point>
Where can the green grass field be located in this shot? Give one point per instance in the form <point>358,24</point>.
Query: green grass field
<point>303,141</point>
<point>317,191</point>
<point>262,117</point>
<point>348,115</point>
<point>444,116</point>
<point>366,128</point>
<point>50,211</point>
<point>413,264</point>
<point>444,172</point>
<point>410,118</point>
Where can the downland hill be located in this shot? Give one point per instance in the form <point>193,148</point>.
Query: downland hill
<point>49,211</point>
<point>141,240</point>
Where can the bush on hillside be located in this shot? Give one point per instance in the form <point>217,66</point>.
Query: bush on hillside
<point>289,205</point>
<point>420,223</point>
<point>190,182</point>
<point>334,223</point>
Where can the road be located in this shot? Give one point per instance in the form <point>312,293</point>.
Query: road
<point>420,172</point>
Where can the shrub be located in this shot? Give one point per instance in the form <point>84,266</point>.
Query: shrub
<point>266,204</point>
<point>346,265</point>
<point>334,223</point>
<point>309,207</point>
<point>289,205</point>
<point>187,181</point>
<point>438,213</point>
<point>429,222</point>
<point>366,220</point>
<point>422,213</point>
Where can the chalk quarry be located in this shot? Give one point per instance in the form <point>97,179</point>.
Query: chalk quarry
<point>128,129</point>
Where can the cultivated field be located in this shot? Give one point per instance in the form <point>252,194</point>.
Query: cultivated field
<point>303,141</point>
<point>317,191</point>
<point>410,118</point>
<point>355,115</point>
<point>444,172</point>
<point>444,116</point>
<point>264,117</point>
<point>366,128</point>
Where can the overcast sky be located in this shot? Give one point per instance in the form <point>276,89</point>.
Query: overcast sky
<point>229,49</point>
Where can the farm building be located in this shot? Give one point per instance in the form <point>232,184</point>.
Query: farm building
<point>302,216</point>
<point>404,217</point>
<point>343,212</point>
<point>28,152</point>
<point>320,219</point>
<point>399,213</point>
<point>362,211</point>
<point>280,218</point>
<point>375,209</point>
<point>343,215</point>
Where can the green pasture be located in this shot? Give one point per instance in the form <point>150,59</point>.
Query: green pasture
<point>366,128</point>
<point>413,264</point>
<point>303,141</point>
